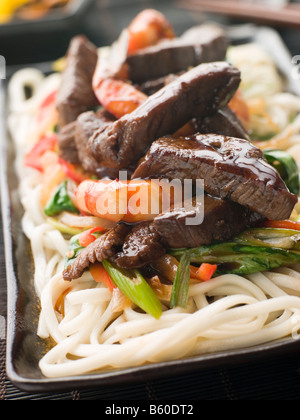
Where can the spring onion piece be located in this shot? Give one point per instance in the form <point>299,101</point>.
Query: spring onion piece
<point>61,227</point>
<point>60,202</point>
<point>133,285</point>
<point>286,166</point>
<point>181,285</point>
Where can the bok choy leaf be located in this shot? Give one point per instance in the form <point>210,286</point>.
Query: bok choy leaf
<point>286,166</point>
<point>60,202</point>
<point>253,251</point>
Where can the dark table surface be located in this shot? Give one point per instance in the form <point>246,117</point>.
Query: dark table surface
<point>276,378</point>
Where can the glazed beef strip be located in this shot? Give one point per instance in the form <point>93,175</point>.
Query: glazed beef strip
<point>87,123</point>
<point>223,219</point>
<point>141,246</point>
<point>224,122</point>
<point>197,93</point>
<point>67,144</point>
<point>231,168</point>
<point>201,44</point>
<point>102,248</point>
<point>76,95</point>
<point>152,86</point>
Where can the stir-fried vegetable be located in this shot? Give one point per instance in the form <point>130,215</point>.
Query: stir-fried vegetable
<point>74,250</point>
<point>63,228</point>
<point>60,202</point>
<point>180,290</point>
<point>88,236</point>
<point>286,166</point>
<point>33,157</point>
<point>133,285</point>
<point>206,271</point>
<point>253,251</point>
<point>100,275</point>
<point>73,172</point>
<point>280,234</point>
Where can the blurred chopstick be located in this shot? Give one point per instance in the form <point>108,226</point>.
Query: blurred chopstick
<point>288,15</point>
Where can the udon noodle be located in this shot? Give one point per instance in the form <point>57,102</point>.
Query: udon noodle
<point>90,326</point>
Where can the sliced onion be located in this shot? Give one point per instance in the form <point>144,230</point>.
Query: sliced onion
<point>84,222</point>
<point>71,189</point>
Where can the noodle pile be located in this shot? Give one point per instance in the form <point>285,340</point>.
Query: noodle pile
<point>92,328</point>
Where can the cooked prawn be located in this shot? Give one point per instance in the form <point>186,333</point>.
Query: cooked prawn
<point>147,29</point>
<point>129,201</point>
<point>111,88</point>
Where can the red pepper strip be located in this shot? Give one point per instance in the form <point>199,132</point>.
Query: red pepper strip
<point>281,224</point>
<point>87,237</point>
<point>72,172</point>
<point>100,275</point>
<point>50,100</point>
<point>33,157</point>
<point>204,272</point>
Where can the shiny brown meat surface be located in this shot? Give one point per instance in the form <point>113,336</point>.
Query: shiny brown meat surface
<point>102,248</point>
<point>200,44</point>
<point>222,220</point>
<point>198,93</point>
<point>76,94</point>
<point>231,168</point>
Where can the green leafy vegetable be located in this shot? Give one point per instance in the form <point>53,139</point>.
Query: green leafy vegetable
<point>60,202</point>
<point>286,166</point>
<point>180,289</point>
<point>74,250</point>
<point>135,287</point>
<point>253,251</point>
<point>272,237</point>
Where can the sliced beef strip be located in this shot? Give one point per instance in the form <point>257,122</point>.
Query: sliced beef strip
<point>224,122</point>
<point>142,245</point>
<point>87,123</point>
<point>76,94</point>
<point>67,144</point>
<point>223,219</point>
<point>102,248</point>
<point>231,168</point>
<point>197,93</point>
<point>152,86</point>
<point>201,44</point>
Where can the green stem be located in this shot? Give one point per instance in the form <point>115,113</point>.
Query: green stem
<point>133,285</point>
<point>180,290</point>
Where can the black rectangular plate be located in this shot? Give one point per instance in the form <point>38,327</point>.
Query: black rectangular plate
<point>59,18</point>
<point>24,348</point>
